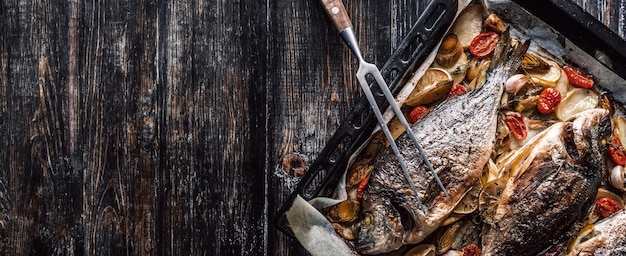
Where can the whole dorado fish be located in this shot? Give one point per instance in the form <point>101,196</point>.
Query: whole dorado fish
<point>458,136</point>
<point>607,238</point>
<point>555,190</point>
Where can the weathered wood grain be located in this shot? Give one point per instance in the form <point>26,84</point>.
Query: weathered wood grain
<point>174,127</point>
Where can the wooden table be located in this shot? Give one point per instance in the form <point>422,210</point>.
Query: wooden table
<point>174,127</point>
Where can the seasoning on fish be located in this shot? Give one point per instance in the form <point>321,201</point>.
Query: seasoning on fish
<point>544,201</point>
<point>458,136</point>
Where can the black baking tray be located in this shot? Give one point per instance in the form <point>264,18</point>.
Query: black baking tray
<point>573,23</point>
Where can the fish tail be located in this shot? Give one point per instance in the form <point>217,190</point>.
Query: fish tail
<point>508,54</point>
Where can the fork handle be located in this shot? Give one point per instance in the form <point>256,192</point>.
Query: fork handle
<point>337,12</point>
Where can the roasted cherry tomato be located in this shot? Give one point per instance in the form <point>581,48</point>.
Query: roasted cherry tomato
<point>606,207</point>
<point>471,250</point>
<point>616,152</point>
<point>515,122</point>
<point>456,90</point>
<point>548,100</point>
<point>417,113</point>
<point>577,78</point>
<point>483,44</point>
<point>361,188</point>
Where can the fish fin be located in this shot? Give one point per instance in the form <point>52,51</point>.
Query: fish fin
<point>508,54</point>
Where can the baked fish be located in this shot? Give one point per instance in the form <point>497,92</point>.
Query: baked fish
<point>543,201</point>
<point>607,238</point>
<point>458,136</point>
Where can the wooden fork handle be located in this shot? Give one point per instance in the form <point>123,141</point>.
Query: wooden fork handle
<point>337,12</point>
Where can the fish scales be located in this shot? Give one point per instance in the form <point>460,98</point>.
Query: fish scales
<point>542,204</point>
<point>458,136</point>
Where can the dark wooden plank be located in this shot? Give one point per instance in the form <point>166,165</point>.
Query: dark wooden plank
<point>211,192</point>
<point>43,199</point>
<point>111,110</point>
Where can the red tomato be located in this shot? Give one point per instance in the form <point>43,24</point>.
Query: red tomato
<point>548,100</point>
<point>361,188</point>
<point>606,207</point>
<point>515,122</point>
<point>577,78</point>
<point>471,250</point>
<point>456,90</point>
<point>616,152</point>
<point>483,44</point>
<point>417,113</point>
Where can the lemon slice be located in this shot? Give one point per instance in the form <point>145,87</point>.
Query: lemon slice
<point>469,203</point>
<point>582,235</point>
<point>432,86</point>
<point>458,70</point>
<point>576,101</point>
<point>548,79</point>
<point>489,198</point>
<point>345,211</point>
<point>422,250</point>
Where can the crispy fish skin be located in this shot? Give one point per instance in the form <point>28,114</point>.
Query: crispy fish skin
<point>458,136</point>
<point>608,238</point>
<point>541,204</point>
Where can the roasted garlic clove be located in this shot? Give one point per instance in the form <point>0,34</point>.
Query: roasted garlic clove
<point>617,177</point>
<point>516,82</point>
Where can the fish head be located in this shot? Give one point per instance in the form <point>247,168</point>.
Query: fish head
<point>384,225</point>
<point>587,130</point>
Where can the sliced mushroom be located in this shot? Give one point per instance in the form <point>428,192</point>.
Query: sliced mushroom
<point>494,23</point>
<point>449,52</point>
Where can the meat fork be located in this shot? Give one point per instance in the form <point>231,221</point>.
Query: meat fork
<point>338,14</point>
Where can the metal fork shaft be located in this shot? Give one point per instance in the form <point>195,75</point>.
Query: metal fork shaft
<point>366,68</point>
<point>338,14</point>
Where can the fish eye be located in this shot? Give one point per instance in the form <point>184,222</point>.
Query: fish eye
<point>367,219</point>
